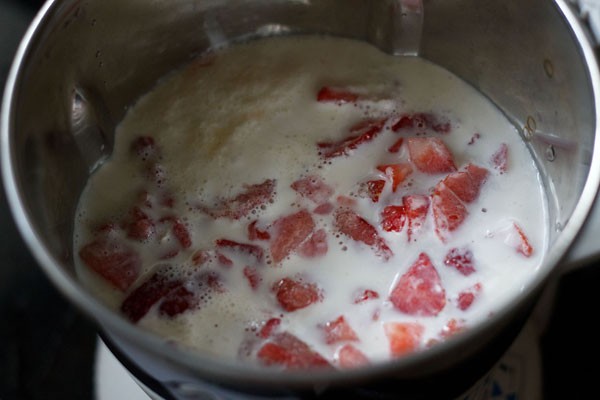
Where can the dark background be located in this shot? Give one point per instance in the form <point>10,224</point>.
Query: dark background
<point>47,347</point>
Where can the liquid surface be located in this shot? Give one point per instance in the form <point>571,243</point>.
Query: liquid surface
<point>305,202</point>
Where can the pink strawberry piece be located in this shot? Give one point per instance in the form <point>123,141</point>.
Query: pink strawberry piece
<point>452,328</point>
<point>315,245</point>
<point>357,228</point>
<point>396,172</point>
<point>289,233</point>
<point>339,330</point>
<point>329,94</point>
<point>365,295</point>
<point>177,301</point>
<point>403,337</point>
<point>142,298</point>
<point>254,233</point>
<point>466,184</point>
<point>393,218</point>
<point>255,252</point>
<point>112,259</point>
<point>349,356</point>
<point>323,209</point>
<point>138,225</point>
<point>293,294</point>
<point>416,207</point>
<point>421,122</point>
<point>363,132</point>
<point>468,296</point>
<point>500,158</point>
<point>345,201</point>
<point>430,155</point>
<point>179,230</point>
<point>241,205</point>
<point>372,189</point>
<point>253,276</point>
<point>269,327</point>
<point>523,246</point>
<point>395,148</point>
<point>314,188</point>
<point>201,257</point>
<point>223,260</point>
<point>419,291</point>
<point>448,211</point>
<point>144,147</point>
<point>286,350</point>
<point>461,260</point>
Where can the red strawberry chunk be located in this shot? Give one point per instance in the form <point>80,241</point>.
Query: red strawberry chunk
<point>138,225</point>
<point>114,260</point>
<point>393,218</point>
<point>500,158</point>
<point>255,252</point>
<point>143,297</point>
<point>396,172</point>
<point>466,185</point>
<point>253,276</point>
<point>293,294</point>
<point>241,205</point>
<point>363,132</point>
<point>177,301</point>
<point>403,337</point>
<point>356,227</point>
<point>419,291</point>
<point>421,122</point>
<point>523,246</point>
<point>372,189</point>
<point>448,211</point>
<point>468,296</point>
<point>365,295</point>
<point>268,328</point>
<point>314,188</point>
<point>430,155</point>
<point>349,356</point>
<point>339,330</point>
<point>323,209</point>
<point>201,257</point>
<point>395,148</point>
<point>416,207</point>
<point>461,260</point>
<point>290,232</point>
<point>316,245</point>
<point>328,94</point>
<point>286,350</point>
<point>254,233</point>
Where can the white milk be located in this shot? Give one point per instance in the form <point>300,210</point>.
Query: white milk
<point>250,113</point>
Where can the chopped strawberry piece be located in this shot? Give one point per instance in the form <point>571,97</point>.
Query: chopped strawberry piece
<point>182,234</point>
<point>468,296</point>
<point>393,218</point>
<point>416,207</point>
<point>201,257</point>
<point>328,94</point>
<point>363,132</point>
<point>114,260</point>
<point>177,301</point>
<point>372,189</point>
<point>316,245</point>
<point>349,356</point>
<point>500,158</point>
<point>257,234</point>
<point>143,297</point>
<point>295,294</point>
<point>144,147</point>
<point>268,328</point>
<point>461,259</point>
<point>345,201</point>
<point>241,205</point>
<point>452,328</point>
<point>448,211</point>
<point>211,280</point>
<point>394,148</point>
<point>421,122</point>
<point>523,245</point>
<point>253,276</point>
<point>286,350</point>
<point>466,184</point>
<point>223,260</point>
<point>138,225</point>
<point>419,291</point>
<point>404,337</point>
<point>290,232</point>
<point>356,227</point>
<point>255,252</point>
<point>396,172</point>
<point>339,330</point>
<point>314,188</point>
<point>430,155</point>
<point>403,123</point>
<point>365,295</point>
<point>323,209</point>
